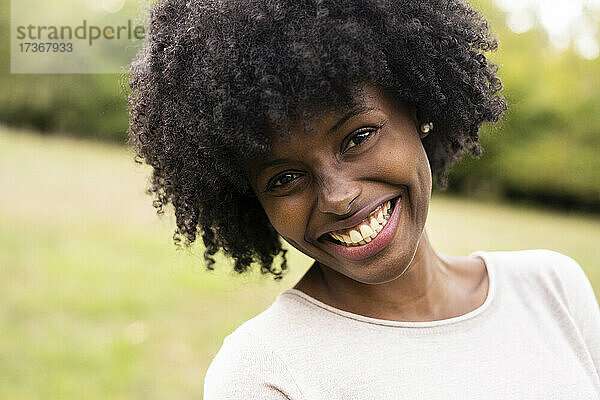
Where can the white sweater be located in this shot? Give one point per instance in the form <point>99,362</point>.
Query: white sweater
<point>536,336</point>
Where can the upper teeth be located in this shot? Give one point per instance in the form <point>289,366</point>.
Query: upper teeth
<point>367,229</point>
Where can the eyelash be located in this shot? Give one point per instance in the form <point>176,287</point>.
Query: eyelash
<point>370,131</point>
<point>271,186</point>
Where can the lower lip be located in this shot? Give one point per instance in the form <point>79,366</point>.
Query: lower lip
<point>385,236</point>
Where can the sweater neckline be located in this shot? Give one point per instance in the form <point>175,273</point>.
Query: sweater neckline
<point>491,271</point>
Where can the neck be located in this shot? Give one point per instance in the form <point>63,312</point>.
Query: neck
<point>420,293</point>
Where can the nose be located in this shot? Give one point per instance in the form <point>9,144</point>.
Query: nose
<point>337,196</point>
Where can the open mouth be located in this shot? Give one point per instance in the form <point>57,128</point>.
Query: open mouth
<point>367,229</point>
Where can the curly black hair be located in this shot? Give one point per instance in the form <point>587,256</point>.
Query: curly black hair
<point>215,74</point>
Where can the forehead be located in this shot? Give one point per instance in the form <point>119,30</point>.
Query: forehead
<point>324,118</point>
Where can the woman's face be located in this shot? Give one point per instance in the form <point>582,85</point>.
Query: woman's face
<point>353,195</point>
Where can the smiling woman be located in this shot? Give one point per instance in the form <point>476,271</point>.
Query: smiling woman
<point>325,124</point>
<point>342,194</point>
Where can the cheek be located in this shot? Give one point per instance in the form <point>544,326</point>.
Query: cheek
<point>423,177</point>
<point>288,216</point>
<point>403,161</point>
<point>424,172</point>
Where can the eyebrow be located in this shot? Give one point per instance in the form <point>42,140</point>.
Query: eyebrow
<point>355,111</point>
<point>273,163</point>
<point>360,109</point>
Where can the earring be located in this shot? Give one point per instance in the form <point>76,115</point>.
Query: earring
<point>427,127</point>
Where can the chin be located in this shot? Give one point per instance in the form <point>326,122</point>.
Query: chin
<point>383,271</point>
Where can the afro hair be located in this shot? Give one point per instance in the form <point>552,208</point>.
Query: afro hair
<point>214,74</point>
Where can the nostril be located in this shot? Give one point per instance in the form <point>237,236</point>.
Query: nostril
<point>338,198</point>
<point>342,208</point>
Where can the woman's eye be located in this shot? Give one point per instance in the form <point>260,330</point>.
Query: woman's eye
<point>357,139</point>
<point>284,179</point>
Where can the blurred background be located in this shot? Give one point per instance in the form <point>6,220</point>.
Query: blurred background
<point>97,303</point>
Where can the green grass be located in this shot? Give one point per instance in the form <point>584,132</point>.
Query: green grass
<point>96,303</point>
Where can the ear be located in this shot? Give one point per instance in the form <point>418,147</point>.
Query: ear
<point>414,115</point>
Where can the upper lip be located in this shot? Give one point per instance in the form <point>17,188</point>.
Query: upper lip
<point>355,219</point>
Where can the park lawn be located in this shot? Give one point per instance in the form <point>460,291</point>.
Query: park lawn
<point>96,303</point>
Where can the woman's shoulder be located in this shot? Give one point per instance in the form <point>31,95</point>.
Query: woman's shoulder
<point>534,262</point>
<point>255,333</point>
<point>246,365</point>
<point>249,360</point>
<point>561,282</point>
<point>547,272</point>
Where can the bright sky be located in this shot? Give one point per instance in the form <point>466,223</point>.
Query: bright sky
<point>567,22</point>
